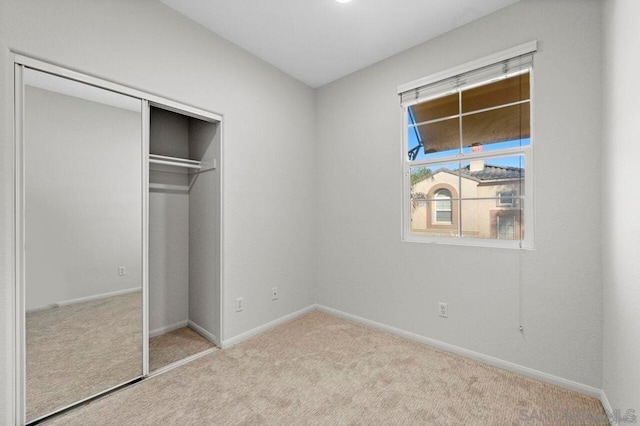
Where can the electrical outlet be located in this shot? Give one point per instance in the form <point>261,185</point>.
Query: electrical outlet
<point>121,271</point>
<point>443,310</point>
<point>239,304</point>
<point>274,293</point>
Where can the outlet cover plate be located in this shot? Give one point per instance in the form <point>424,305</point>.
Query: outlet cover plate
<point>443,310</point>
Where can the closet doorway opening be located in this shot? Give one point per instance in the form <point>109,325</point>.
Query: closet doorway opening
<point>184,237</point>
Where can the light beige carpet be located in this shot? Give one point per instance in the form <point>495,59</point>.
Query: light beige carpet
<point>76,351</point>
<point>321,370</point>
<point>174,346</point>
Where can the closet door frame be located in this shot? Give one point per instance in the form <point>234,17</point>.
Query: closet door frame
<point>19,291</point>
<point>20,62</point>
<point>145,237</point>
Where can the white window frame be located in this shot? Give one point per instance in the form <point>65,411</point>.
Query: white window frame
<point>526,151</point>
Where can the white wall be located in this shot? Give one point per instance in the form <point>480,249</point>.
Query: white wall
<point>364,268</point>
<point>269,137</point>
<point>620,204</point>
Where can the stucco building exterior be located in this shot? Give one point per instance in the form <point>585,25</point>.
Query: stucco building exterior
<point>480,200</point>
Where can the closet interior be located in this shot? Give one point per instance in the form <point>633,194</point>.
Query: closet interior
<point>184,236</point>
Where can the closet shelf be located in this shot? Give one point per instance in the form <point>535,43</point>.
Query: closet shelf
<point>175,161</point>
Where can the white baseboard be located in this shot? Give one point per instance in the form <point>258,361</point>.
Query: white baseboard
<point>486,359</point>
<point>87,299</point>
<point>608,408</point>
<point>185,323</point>
<point>261,329</point>
<point>168,328</point>
<point>204,333</point>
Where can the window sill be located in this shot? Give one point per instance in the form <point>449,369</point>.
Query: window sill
<point>471,242</point>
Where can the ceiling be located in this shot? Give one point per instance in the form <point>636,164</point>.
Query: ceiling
<point>318,41</point>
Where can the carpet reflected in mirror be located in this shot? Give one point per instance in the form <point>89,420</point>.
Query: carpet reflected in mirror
<point>76,351</point>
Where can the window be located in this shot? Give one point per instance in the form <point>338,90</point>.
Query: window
<point>469,130</point>
<point>506,227</point>
<point>506,198</point>
<point>442,207</point>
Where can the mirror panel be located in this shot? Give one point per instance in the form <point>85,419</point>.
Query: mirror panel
<point>83,219</point>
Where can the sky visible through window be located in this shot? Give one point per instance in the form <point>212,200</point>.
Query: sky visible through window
<point>513,161</point>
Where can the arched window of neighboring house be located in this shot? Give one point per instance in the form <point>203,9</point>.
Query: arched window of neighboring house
<point>442,207</point>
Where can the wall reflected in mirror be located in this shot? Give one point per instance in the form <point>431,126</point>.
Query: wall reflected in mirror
<point>83,241</point>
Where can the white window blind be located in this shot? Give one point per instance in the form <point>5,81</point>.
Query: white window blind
<point>468,79</point>
<point>496,65</point>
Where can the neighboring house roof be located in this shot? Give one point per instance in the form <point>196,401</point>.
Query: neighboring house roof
<point>490,172</point>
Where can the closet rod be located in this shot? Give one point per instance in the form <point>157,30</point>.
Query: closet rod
<point>173,161</point>
<point>164,157</point>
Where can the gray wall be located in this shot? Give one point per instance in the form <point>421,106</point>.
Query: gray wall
<point>269,137</point>
<point>83,207</point>
<point>621,201</point>
<point>364,268</point>
<point>168,259</point>
<point>168,225</point>
<point>204,215</point>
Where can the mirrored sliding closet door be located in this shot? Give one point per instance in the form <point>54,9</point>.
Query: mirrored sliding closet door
<point>82,237</point>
